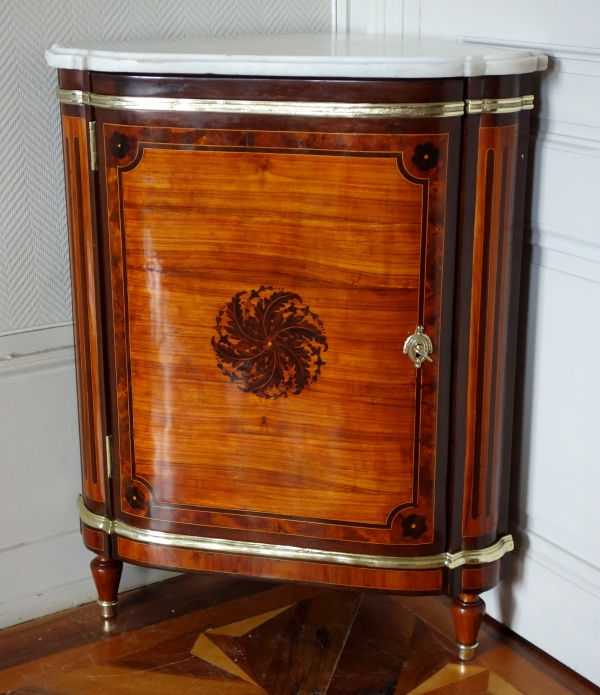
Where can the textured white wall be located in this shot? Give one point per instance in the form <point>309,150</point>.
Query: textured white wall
<point>553,598</point>
<point>34,274</point>
<point>43,564</point>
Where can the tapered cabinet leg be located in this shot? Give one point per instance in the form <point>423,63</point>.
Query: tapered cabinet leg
<point>107,575</point>
<point>468,611</point>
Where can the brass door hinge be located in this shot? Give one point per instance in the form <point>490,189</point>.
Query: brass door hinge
<point>93,146</point>
<point>109,455</point>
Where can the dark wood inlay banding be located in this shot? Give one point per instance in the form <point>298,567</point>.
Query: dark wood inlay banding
<point>492,452</point>
<point>483,310</point>
<point>85,319</point>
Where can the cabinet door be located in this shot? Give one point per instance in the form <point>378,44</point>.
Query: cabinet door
<point>263,285</point>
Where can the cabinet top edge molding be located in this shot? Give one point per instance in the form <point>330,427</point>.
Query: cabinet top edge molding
<point>299,55</point>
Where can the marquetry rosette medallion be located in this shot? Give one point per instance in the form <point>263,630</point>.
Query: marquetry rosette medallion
<point>137,498</point>
<point>426,156</point>
<point>269,343</point>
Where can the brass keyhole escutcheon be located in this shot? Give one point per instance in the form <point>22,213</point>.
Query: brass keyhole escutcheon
<point>418,347</point>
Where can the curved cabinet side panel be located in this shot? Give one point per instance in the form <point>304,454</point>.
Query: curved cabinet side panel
<point>486,309</point>
<point>86,319</point>
<point>488,340</point>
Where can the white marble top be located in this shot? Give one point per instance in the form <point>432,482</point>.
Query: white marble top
<point>299,55</point>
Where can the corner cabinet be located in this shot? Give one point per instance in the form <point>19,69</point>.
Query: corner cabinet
<point>295,288</point>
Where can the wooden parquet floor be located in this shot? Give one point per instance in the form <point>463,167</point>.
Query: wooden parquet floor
<point>197,635</point>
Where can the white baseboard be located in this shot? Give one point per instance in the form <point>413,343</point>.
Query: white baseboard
<point>551,139</point>
<point>61,325</point>
<point>545,607</point>
<point>61,598</point>
<point>570,566</point>
<point>36,339</point>
<point>36,353</point>
<point>36,365</point>
<point>565,241</point>
<point>52,575</point>
<point>565,263</point>
<point>564,250</point>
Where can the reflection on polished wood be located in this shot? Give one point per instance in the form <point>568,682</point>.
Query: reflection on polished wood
<point>310,453</point>
<point>215,636</point>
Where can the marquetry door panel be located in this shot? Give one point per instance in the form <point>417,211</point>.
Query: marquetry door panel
<point>263,285</point>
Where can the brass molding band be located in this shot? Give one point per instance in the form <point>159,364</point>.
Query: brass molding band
<point>510,105</point>
<point>267,108</point>
<point>285,552</point>
<point>443,109</point>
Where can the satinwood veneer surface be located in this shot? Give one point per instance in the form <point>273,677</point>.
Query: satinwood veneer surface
<point>315,267</point>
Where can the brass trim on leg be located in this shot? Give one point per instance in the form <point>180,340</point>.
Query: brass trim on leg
<point>286,552</point>
<point>466,652</point>
<point>443,109</point>
<point>108,608</point>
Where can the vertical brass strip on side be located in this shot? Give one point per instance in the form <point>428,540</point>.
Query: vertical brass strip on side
<point>93,146</point>
<point>109,455</point>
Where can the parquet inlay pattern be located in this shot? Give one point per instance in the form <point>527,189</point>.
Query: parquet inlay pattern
<point>211,636</point>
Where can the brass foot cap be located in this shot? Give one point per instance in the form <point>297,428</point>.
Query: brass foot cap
<point>466,652</point>
<point>109,609</point>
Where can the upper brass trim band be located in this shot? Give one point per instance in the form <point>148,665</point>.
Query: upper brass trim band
<point>296,108</point>
<point>285,552</point>
<point>74,97</point>
<point>509,105</point>
<point>266,108</point>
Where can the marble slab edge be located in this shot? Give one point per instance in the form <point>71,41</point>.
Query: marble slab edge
<point>327,61</point>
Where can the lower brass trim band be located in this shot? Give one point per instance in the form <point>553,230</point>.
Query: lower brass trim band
<point>285,552</point>
<point>266,108</point>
